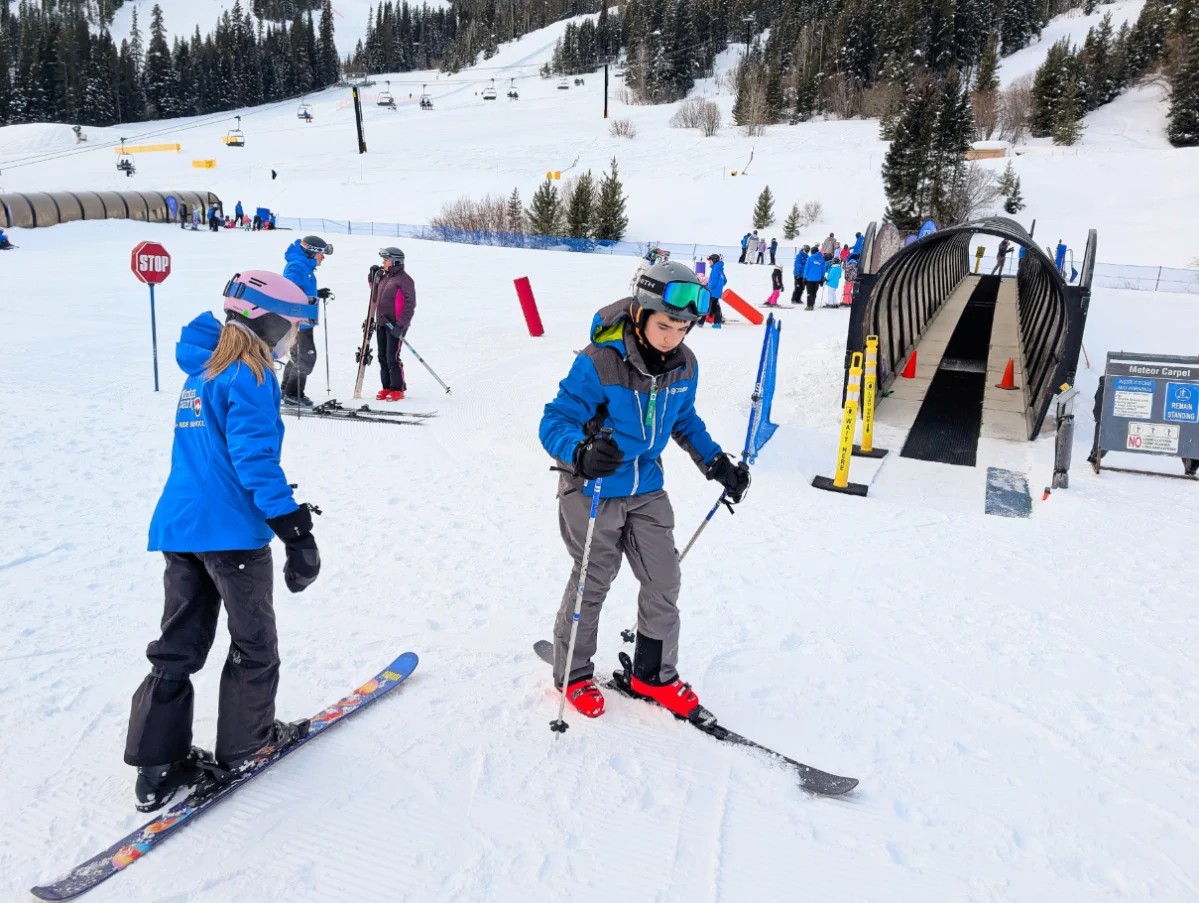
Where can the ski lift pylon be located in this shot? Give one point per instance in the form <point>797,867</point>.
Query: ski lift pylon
<point>234,137</point>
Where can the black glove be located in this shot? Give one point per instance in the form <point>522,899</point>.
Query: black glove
<point>303,558</point>
<point>596,457</point>
<point>733,477</point>
<point>374,272</point>
<point>325,294</point>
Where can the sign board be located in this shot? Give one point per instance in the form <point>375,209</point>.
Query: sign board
<point>1150,405</point>
<point>150,262</point>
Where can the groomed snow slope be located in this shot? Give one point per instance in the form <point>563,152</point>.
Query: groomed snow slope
<point>1139,196</point>
<point>1016,696</point>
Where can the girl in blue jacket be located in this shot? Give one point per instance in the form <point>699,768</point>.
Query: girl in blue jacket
<point>629,392</point>
<point>224,500</point>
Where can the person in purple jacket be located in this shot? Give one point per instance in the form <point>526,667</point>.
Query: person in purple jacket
<point>395,303</point>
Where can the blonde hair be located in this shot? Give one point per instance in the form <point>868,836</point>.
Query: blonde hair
<point>237,345</point>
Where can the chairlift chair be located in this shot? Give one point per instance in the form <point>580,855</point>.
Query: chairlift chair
<point>234,137</point>
<point>489,91</point>
<point>80,137</point>
<point>304,112</point>
<point>125,162</point>
<point>564,84</point>
<point>426,101</point>
<point>385,98</point>
<point>513,94</point>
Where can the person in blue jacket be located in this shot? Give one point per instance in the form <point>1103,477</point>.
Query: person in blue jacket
<point>716,283</point>
<point>813,274</point>
<point>744,247</point>
<point>5,244</point>
<point>630,391</point>
<point>224,500</point>
<point>858,242</point>
<point>801,260</point>
<point>303,256</point>
<point>238,212</point>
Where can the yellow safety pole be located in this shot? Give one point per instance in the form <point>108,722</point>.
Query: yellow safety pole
<point>978,257</point>
<point>840,481</point>
<point>867,449</point>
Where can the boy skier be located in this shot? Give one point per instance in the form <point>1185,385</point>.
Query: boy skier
<point>303,256</point>
<point>637,379</point>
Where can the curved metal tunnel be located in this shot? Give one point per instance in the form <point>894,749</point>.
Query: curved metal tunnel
<point>37,209</point>
<point>899,300</point>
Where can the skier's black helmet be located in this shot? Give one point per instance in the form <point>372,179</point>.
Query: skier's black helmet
<point>314,244</point>
<point>395,255</point>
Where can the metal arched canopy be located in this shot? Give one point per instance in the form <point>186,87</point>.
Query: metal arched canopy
<point>898,299</point>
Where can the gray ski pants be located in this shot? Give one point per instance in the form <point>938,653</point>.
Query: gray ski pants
<point>641,528</point>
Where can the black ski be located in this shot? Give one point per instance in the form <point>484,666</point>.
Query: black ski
<point>811,779</point>
<point>334,405</point>
<point>301,413</point>
<point>364,353</point>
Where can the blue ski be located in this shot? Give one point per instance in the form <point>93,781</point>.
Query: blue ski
<point>133,846</point>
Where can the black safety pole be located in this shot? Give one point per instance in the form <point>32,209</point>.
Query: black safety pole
<point>358,121</point>
<point>605,90</point>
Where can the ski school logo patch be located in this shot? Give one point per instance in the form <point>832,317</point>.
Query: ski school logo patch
<point>196,405</point>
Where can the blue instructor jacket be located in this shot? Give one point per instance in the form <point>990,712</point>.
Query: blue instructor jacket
<point>226,479</point>
<point>301,269</point>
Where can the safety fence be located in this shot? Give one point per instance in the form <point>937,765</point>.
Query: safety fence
<point>1107,275</point>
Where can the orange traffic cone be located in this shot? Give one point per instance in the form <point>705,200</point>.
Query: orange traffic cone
<point>1009,376</point>
<point>909,370</point>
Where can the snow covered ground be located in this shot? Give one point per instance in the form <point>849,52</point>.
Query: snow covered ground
<point>1016,696</point>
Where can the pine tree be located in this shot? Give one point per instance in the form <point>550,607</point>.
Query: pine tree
<point>5,83</point>
<point>774,93</point>
<point>1183,125</point>
<point>515,219</point>
<point>1067,128</point>
<point>1010,187</point>
<point>330,69</point>
<point>986,78</point>
<point>764,209</point>
<point>160,77</point>
<point>791,223</point>
<point>1020,24</point>
<point>581,211</point>
<point>545,215</point>
<point>1147,37</point>
<point>905,177</point>
<point>610,218</point>
<point>1048,88</point>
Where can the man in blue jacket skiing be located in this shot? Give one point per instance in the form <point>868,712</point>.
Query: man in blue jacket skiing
<point>813,274</point>
<point>303,256</point>
<point>629,392</point>
<point>801,260</point>
<point>716,283</point>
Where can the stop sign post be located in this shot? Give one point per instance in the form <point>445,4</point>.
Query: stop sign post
<point>151,264</point>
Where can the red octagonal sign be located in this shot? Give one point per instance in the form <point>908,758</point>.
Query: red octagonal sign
<point>150,262</point>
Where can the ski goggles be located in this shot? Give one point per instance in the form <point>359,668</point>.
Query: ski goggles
<point>682,296</point>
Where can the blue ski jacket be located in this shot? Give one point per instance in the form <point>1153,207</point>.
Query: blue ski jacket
<point>857,246</point>
<point>226,479</point>
<point>744,241</point>
<point>237,211</point>
<point>609,386</point>
<point>834,274</point>
<point>801,260</point>
<point>301,269</point>
<point>717,280</point>
<point>813,270</point>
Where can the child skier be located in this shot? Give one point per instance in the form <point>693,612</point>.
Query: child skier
<point>303,256</point>
<point>832,279</point>
<point>225,498</point>
<point>776,284</point>
<point>637,379</point>
<point>716,283</point>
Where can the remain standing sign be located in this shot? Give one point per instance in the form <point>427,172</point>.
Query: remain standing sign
<point>1151,405</point>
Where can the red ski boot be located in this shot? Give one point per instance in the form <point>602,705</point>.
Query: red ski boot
<point>394,395</point>
<point>382,396</point>
<point>678,697</point>
<point>586,697</point>
<point>641,678</point>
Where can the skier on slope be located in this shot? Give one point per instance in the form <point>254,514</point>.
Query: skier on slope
<point>801,260</point>
<point>224,500</point>
<point>776,285</point>
<point>813,274</point>
<point>395,303</point>
<point>638,379</point>
<point>5,244</point>
<point>303,256</point>
<point>716,283</point>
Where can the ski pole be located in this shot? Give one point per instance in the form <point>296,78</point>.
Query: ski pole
<point>720,501</point>
<point>559,725</point>
<point>325,316</point>
<point>416,354</point>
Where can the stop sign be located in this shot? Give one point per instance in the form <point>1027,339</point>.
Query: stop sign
<point>150,262</point>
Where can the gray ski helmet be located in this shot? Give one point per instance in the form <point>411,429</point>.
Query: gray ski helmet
<point>314,244</point>
<point>395,255</point>
<point>652,284</point>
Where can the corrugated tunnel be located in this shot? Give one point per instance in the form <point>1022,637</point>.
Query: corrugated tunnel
<point>38,209</point>
<point>964,328</point>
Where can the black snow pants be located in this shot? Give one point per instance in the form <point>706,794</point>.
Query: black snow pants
<point>391,368</point>
<point>797,295</point>
<point>813,288</point>
<point>160,723</point>
<point>299,364</point>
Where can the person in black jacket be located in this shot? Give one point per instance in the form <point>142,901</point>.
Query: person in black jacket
<point>395,303</point>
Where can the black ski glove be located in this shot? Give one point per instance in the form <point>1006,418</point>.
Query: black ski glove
<point>374,272</point>
<point>325,294</point>
<point>596,457</point>
<point>303,558</point>
<point>733,477</point>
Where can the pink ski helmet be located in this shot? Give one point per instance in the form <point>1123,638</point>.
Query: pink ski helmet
<point>268,304</point>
